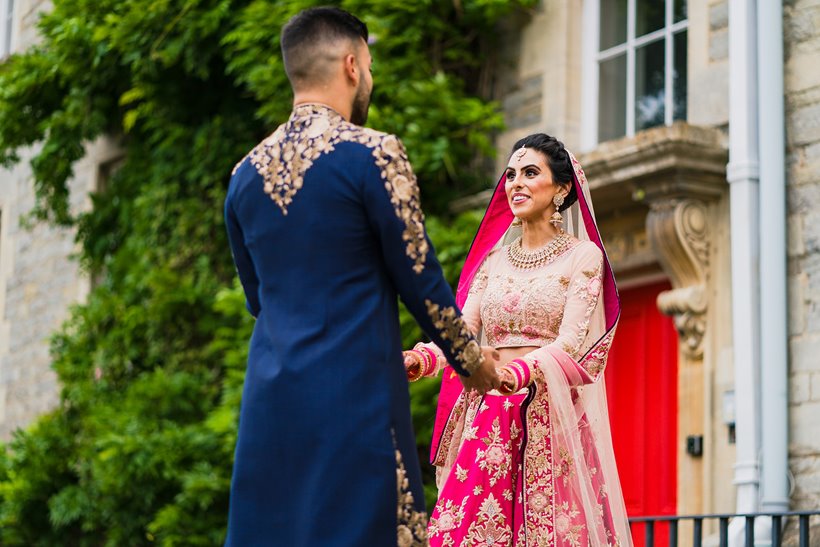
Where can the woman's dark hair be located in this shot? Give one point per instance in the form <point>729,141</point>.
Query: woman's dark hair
<point>557,160</point>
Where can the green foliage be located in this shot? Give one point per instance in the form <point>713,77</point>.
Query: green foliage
<point>140,448</point>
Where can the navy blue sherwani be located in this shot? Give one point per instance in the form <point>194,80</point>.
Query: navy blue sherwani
<point>326,230</point>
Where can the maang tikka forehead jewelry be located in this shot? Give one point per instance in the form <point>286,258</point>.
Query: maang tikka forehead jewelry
<point>520,153</point>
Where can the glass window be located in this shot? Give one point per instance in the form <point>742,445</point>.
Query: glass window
<point>649,86</point>
<point>679,77</point>
<point>641,58</point>
<point>649,16</point>
<point>680,11</point>
<point>613,33</point>
<point>6,26</point>
<point>611,112</point>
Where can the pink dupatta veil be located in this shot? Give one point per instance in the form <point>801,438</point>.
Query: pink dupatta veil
<point>574,409</point>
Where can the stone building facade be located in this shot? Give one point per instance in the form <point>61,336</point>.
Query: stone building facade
<point>663,199</point>
<point>38,279</point>
<point>658,172</point>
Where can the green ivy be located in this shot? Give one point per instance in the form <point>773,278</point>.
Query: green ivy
<point>140,448</point>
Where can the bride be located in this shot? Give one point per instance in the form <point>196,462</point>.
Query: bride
<point>531,463</point>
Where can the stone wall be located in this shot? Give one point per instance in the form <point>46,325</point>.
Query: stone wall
<point>38,279</point>
<point>802,90</point>
<point>38,284</point>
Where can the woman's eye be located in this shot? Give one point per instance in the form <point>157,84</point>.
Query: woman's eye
<point>531,173</point>
<point>510,175</point>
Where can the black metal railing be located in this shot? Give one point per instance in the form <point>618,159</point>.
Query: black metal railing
<point>778,520</point>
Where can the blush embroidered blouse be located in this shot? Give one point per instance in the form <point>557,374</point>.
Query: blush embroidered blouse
<point>544,306</point>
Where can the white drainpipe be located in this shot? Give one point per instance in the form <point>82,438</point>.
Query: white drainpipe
<point>742,175</point>
<point>774,487</point>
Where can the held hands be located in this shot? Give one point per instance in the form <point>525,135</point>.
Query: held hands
<point>485,378</point>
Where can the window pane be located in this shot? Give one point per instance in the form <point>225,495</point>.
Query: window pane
<point>612,99</point>
<point>680,10</point>
<point>649,16</point>
<point>679,76</point>
<point>613,23</point>
<point>649,85</point>
<point>8,17</point>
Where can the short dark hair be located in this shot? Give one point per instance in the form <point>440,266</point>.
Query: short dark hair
<point>307,32</point>
<point>557,160</point>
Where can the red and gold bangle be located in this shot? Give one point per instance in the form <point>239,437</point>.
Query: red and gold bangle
<point>432,358</point>
<point>419,370</point>
<point>524,369</point>
<point>430,361</point>
<point>520,372</point>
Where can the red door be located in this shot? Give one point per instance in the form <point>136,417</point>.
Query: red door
<point>641,381</point>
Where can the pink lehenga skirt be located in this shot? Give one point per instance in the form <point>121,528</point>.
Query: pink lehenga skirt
<point>532,469</point>
<point>480,495</point>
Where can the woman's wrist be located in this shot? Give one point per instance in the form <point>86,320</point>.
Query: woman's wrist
<point>424,362</point>
<point>433,359</point>
<point>518,376</point>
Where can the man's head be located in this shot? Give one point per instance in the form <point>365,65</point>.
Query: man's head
<point>325,48</point>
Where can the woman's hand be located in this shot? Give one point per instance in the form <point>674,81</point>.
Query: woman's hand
<point>485,377</point>
<point>412,365</point>
<point>507,380</point>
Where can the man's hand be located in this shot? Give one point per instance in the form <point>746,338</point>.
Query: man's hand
<point>485,377</point>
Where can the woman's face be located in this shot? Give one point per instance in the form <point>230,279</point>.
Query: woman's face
<point>529,185</point>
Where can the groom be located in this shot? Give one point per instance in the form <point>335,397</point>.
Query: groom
<point>325,227</point>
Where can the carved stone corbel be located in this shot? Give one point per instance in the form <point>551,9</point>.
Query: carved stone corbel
<point>678,232</point>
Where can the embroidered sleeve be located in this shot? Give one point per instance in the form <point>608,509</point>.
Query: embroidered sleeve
<point>402,188</point>
<point>471,312</point>
<point>583,293</point>
<point>391,202</point>
<point>452,328</point>
<point>582,298</point>
<point>472,306</point>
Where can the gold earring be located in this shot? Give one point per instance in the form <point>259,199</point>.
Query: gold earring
<point>557,218</point>
<point>517,222</point>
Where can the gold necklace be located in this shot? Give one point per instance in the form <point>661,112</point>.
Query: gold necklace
<point>527,260</point>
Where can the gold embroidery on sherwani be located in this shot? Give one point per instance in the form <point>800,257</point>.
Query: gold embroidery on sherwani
<point>284,157</point>
<point>411,530</point>
<point>400,183</point>
<point>451,326</point>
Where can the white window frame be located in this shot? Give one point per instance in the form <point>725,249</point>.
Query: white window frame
<point>592,57</point>
<point>7,32</point>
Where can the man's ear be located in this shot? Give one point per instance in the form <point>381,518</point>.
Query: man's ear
<point>351,69</point>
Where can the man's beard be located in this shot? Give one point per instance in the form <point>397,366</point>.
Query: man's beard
<point>361,104</point>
